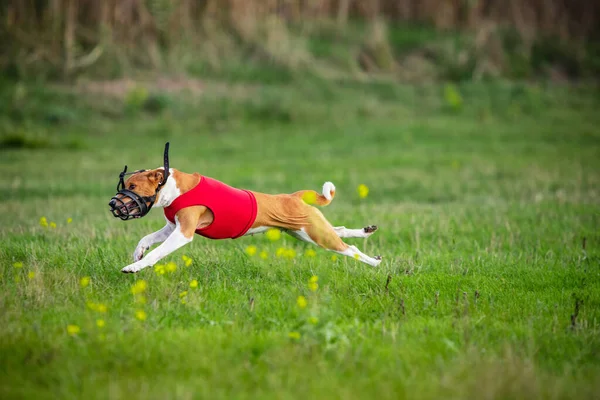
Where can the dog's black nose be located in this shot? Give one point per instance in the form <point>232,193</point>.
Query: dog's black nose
<point>112,203</point>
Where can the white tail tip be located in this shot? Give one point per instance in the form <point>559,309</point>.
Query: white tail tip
<point>328,187</point>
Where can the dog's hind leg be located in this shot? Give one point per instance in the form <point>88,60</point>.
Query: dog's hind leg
<point>365,232</point>
<point>320,232</point>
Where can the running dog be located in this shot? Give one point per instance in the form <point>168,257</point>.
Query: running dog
<point>197,204</point>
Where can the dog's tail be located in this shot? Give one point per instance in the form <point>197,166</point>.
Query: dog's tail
<point>314,198</point>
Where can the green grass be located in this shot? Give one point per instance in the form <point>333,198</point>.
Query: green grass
<point>483,207</point>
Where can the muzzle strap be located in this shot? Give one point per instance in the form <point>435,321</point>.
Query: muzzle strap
<point>166,172</point>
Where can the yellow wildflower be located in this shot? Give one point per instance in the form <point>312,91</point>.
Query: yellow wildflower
<point>139,287</point>
<point>101,308</point>
<point>84,282</point>
<point>100,323</point>
<point>273,234</point>
<point>69,220</point>
<point>183,294</point>
<point>159,269</point>
<point>183,301</point>
<point>141,315</point>
<point>363,190</point>
<point>53,225</point>
<point>310,253</point>
<point>334,258</point>
<point>290,253</point>
<point>313,286</point>
<point>309,197</point>
<point>31,275</point>
<point>356,256</point>
<point>251,250</point>
<point>18,264</point>
<point>280,252</point>
<point>44,222</point>
<point>194,284</point>
<point>313,320</point>
<point>301,302</point>
<point>186,260</point>
<point>314,278</point>
<point>264,255</point>
<point>294,335</point>
<point>73,330</point>
<point>171,266</point>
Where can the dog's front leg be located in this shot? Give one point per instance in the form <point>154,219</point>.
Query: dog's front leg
<point>186,221</point>
<point>149,240</point>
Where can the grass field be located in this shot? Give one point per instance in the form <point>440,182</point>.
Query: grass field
<point>488,201</point>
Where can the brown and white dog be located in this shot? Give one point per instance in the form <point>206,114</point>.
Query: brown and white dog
<point>287,212</point>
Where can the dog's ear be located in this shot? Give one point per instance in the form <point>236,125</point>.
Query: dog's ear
<point>156,175</point>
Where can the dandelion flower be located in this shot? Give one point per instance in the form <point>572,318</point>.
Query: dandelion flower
<point>101,308</point>
<point>69,220</point>
<point>309,197</point>
<point>53,225</point>
<point>141,315</point>
<point>84,282</point>
<point>264,255</point>
<point>313,320</point>
<point>31,275</point>
<point>100,323</point>
<point>139,287</point>
<point>171,266</point>
<point>294,335</point>
<point>183,294</point>
<point>193,284</point>
<point>310,253</point>
<point>363,190</point>
<point>251,250</point>
<point>290,253</point>
<point>18,264</point>
<point>186,260</point>
<point>280,252</point>
<point>314,278</point>
<point>44,222</point>
<point>73,330</point>
<point>313,286</point>
<point>301,302</point>
<point>334,258</point>
<point>159,269</point>
<point>273,234</point>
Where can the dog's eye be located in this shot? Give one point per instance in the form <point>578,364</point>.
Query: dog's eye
<point>131,187</point>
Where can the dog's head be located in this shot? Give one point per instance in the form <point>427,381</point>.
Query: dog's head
<point>136,196</point>
<point>139,192</point>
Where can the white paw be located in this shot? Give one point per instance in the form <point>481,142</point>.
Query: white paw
<point>377,261</point>
<point>138,254</point>
<point>132,268</point>
<point>369,230</point>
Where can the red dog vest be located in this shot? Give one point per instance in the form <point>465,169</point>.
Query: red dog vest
<point>234,209</point>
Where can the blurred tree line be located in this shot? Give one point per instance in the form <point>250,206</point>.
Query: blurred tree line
<point>409,39</point>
